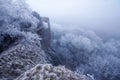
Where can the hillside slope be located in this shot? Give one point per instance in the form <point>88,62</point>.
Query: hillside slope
<point>24,40</point>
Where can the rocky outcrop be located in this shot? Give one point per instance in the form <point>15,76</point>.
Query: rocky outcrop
<point>43,30</point>
<point>45,33</point>
<point>49,72</point>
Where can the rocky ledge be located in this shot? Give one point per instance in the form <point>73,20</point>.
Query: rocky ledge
<point>49,72</point>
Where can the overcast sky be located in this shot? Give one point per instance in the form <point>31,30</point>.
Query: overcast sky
<point>100,15</point>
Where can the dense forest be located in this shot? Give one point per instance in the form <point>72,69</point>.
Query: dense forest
<point>33,48</point>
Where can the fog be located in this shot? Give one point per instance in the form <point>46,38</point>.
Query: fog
<point>101,16</point>
<point>80,33</point>
<point>85,35</point>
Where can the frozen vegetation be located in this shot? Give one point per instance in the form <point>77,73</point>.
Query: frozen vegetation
<point>85,52</point>
<point>49,72</point>
<point>30,50</point>
<point>20,37</point>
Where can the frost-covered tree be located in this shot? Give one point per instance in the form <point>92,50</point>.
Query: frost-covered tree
<point>17,19</point>
<point>87,53</point>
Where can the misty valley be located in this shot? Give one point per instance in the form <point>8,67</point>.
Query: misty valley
<point>38,47</point>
